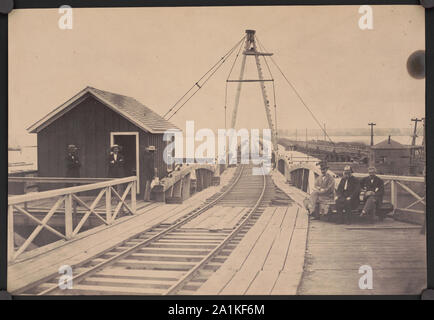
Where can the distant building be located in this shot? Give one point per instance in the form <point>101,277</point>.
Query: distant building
<point>391,157</point>
<point>94,120</point>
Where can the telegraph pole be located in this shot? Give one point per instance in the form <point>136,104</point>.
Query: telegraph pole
<point>416,120</point>
<point>372,132</point>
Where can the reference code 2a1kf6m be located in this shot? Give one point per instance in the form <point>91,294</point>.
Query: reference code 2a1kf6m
<point>241,309</point>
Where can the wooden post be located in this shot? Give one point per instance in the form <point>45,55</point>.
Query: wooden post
<point>186,187</point>
<point>108,205</point>
<point>147,193</point>
<point>177,188</point>
<point>393,194</point>
<point>68,216</point>
<point>11,235</point>
<point>199,180</point>
<point>134,196</point>
<point>205,179</point>
<point>160,196</point>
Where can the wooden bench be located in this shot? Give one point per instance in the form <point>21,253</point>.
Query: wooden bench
<point>328,208</point>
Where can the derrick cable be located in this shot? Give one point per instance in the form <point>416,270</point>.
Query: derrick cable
<point>272,77</point>
<point>230,72</point>
<point>226,99</point>
<point>199,87</point>
<point>298,95</point>
<point>217,65</point>
<point>235,60</point>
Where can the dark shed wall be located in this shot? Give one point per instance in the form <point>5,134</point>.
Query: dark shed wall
<point>88,126</point>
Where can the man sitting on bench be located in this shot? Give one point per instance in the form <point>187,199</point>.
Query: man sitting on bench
<point>322,191</point>
<point>374,191</point>
<point>347,196</point>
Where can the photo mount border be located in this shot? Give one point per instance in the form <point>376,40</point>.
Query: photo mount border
<point>426,294</point>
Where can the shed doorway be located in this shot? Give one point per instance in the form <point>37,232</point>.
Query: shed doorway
<point>129,142</point>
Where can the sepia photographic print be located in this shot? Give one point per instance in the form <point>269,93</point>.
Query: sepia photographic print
<point>273,150</point>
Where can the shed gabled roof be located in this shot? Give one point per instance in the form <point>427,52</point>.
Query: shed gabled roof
<point>386,145</point>
<point>128,107</point>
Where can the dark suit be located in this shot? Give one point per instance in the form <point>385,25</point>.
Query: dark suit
<point>72,165</point>
<point>346,189</point>
<point>116,166</point>
<point>375,185</point>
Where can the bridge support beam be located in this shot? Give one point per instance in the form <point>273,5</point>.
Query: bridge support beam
<point>185,192</point>
<point>177,189</point>
<point>199,180</point>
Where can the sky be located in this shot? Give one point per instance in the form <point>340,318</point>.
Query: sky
<point>346,76</point>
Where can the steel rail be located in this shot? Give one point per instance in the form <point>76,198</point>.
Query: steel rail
<point>189,216</point>
<point>187,277</point>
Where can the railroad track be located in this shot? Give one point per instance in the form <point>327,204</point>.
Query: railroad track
<point>172,258</point>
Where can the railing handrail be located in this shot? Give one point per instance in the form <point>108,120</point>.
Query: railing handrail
<point>300,164</point>
<point>167,182</point>
<point>57,179</point>
<point>64,191</point>
<point>391,177</point>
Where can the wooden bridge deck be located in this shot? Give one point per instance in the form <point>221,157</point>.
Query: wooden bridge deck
<point>395,251</point>
<point>283,253</point>
<point>99,239</point>
<point>268,260</point>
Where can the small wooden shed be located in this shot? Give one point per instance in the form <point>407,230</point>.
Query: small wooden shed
<point>94,120</point>
<point>391,157</point>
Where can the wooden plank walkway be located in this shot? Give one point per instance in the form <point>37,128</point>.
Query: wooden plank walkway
<point>218,218</point>
<point>100,239</point>
<point>268,260</point>
<point>394,250</point>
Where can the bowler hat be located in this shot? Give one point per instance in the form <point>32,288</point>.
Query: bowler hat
<point>115,146</point>
<point>323,165</point>
<point>348,168</point>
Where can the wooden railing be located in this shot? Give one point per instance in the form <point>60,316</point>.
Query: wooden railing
<point>65,200</point>
<point>397,182</point>
<point>22,185</point>
<point>177,184</point>
<point>400,186</point>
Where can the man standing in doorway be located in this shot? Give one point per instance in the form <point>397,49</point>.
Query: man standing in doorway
<point>116,163</point>
<point>116,169</point>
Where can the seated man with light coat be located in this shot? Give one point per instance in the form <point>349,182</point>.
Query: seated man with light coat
<point>323,191</point>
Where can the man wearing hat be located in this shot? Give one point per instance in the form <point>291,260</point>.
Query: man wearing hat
<point>72,162</point>
<point>347,195</point>
<point>116,163</point>
<point>374,191</point>
<point>116,169</point>
<point>323,191</point>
